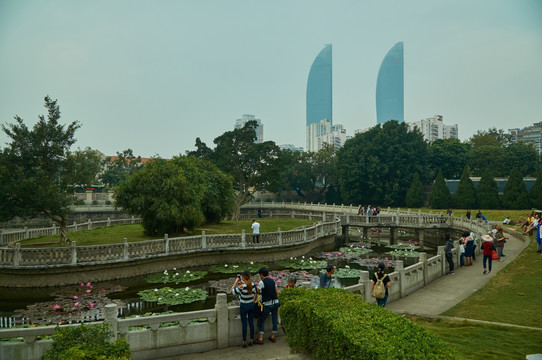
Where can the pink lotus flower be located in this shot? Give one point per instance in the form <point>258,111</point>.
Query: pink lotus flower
<point>56,307</point>
<point>304,275</point>
<point>328,254</point>
<point>91,305</point>
<point>282,274</point>
<point>338,253</point>
<point>75,297</point>
<point>76,304</point>
<point>279,280</point>
<point>88,284</point>
<point>88,291</point>
<point>103,290</point>
<point>82,284</point>
<point>374,258</point>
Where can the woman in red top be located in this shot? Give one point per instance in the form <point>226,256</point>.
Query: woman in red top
<point>487,247</point>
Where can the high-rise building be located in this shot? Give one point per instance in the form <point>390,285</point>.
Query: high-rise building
<point>322,133</point>
<point>319,89</point>
<point>319,83</point>
<point>390,86</point>
<point>530,135</point>
<point>239,123</point>
<point>434,128</point>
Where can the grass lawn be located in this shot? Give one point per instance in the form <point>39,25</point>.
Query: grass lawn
<point>134,232</point>
<point>483,341</point>
<point>512,296</point>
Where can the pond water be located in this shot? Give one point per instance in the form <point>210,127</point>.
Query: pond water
<point>84,302</point>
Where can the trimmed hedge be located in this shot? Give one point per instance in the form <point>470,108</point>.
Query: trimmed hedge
<point>334,324</point>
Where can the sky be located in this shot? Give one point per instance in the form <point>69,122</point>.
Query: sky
<point>153,76</point>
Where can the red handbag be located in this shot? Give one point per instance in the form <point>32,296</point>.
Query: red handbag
<point>494,255</point>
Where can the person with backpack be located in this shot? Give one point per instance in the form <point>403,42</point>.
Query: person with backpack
<point>380,284</point>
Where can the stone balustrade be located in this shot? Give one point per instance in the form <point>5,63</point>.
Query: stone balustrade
<point>152,337</point>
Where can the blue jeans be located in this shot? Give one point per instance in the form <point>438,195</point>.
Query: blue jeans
<point>382,302</point>
<point>247,310</point>
<point>274,310</point>
<point>489,259</point>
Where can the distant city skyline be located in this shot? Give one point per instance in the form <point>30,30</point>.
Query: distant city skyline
<point>155,76</point>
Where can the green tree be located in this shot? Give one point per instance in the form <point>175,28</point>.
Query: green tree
<point>173,195</point>
<point>487,193</point>
<point>491,137</point>
<point>535,194</point>
<point>465,196</point>
<point>253,166</point>
<point>415,195</point>
<point>515,192</point>
<point>376,167</point>
<point>440,195</point>
<point>449,155</point>
<point>39,173</point>
<point>119,167</point>
<point>485,157</point>
<point>522,156</point>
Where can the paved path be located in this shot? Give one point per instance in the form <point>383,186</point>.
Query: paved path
<point>431,300</point>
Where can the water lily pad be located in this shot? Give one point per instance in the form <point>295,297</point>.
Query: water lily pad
<point>175,276</point>
<point>345,273</point>
<point>170,296</point>
<point>303,263</point>
<point>403,247</point>
<point>355,250</point>
<point>236,268</point>
<point>403,253</point>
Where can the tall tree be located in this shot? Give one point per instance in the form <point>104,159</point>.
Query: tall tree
<point>449,155</point>
<point>173,195</point>
<point>465,196</point>
<point>253,166</point>
<point>120,167</point>
<point>485,157</point>
<point>39,172</point>
<point>523,157</point>
<point>515,192</point>
<point>487,193</point>
<point>415,195</point>
<point>491,137</point>
<point>440,194</point>
<point>376,167</point>
<point>535,194</point>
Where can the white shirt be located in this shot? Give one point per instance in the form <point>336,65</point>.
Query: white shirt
<point>255,228</point>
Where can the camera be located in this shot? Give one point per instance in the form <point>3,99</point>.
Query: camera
<point>239,277</point>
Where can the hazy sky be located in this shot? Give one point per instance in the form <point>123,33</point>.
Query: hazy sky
<point>154,75</point>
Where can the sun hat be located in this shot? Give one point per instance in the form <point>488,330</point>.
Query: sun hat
<point>486,238</point>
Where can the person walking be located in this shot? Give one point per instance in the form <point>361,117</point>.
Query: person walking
<point>325,278</point>
<point>255,232</point>
<point>487,248</point>
<point>385,279</point>
<point>448,253</point>
<point>468,241</point>
<point>501,239</point>
<point>244,288</point>
<point>268,289</point>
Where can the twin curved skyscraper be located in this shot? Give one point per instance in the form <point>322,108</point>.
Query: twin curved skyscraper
<point>389,87</point>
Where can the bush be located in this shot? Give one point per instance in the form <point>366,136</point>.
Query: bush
<point>86,342</point>
<point>334,324</point>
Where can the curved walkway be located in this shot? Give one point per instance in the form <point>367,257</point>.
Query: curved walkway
<point>431,301</point>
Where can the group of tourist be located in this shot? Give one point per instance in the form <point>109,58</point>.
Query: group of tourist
<point>533,222</point>
<point>368,211</point>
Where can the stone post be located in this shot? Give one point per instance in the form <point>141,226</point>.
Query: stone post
<point>17,255</point>
<point>26,233</point>
<point>53,231</point>
<point>440,252</point>
<point>132,220</point>
<point>108,221</point>
<point>280,237</point>
<point>243,239</point>
<point>310,216</point>
<point>366,281</point>
<point>89,224</point>
<point>348,218</point>
<point>397,218</point>
<point>420,218</point>
<point>204,239</point>
<point>304,234</point>
<point>125,249</point>
<point>166,245</point>
<point>222,326</point>
<point>399,267</point>
<point>74,253</point>
<point>457,254</point>
<point>292,215</point>
<point>110,318</point>
<point>423,260</point>
<point>324,216</point>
